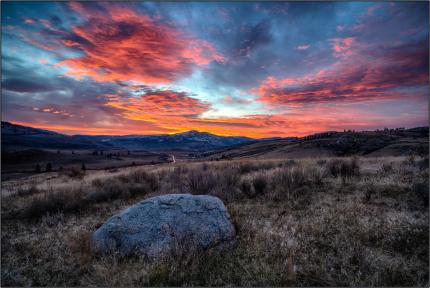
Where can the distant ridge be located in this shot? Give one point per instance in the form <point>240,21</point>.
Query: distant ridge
<point>18,136</point>
<point>398,141</point>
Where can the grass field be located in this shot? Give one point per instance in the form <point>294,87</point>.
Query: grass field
<point>308,222</point>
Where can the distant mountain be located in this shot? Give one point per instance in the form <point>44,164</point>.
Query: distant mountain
<point>21,137</point>
<point>192,141</point>
<point>18,137</point>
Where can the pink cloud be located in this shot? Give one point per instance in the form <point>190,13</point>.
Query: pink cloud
<point>303,47</point>
<point>124,46</point>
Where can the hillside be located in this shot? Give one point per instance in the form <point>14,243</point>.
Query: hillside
<point>389,142</point>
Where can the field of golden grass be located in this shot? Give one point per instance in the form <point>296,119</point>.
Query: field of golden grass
<point>308,222</point>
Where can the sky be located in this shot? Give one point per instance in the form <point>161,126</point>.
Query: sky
<point>257,69</point>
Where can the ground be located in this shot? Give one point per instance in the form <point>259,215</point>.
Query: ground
<point>303,222</point>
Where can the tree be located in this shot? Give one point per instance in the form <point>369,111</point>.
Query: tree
<point>37,168</point>
<point>48,167</point>
<point>83,168</point>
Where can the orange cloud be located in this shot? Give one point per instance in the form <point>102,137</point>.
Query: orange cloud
<point>126,46</point>
<point>158,106</point>
<point>299,122</point>
<point>53,110</point>
<point>177,112</point>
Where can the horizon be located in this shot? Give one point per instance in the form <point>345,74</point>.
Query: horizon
<point>120,135</point>
<point>258,70</point>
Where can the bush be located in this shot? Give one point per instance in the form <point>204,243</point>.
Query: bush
<point>343,168</point>
<point>386,168</point>
<point>28,191</point>
<point>53,202</point>
<point>229,178</point>
<point>76,173</point>
<point>247,189</point>
<point>286,183</point>
<point>421,190</point>
<point>200,182</point>
<point>144,177</point>
<point>424,163</point>
<point>48,167</point>
<point>259,183</point>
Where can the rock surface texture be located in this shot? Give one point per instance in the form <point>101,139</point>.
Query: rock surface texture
<point>155,225</point>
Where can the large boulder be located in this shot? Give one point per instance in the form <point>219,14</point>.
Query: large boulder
<point>156,225</point>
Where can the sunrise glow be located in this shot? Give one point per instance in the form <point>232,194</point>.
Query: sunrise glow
<point>251,69</point>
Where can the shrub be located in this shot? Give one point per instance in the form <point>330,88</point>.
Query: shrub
<point>286,182</point>
<point>369,190</point>
<point>333,167</point>
<point>421,190</point>
<point>201,182</point>
<point>245,167</point>
<point>350,168</point>
<point>247,188</point>
<point>28,191</point>
<point>259,183</point>
<point>48,167</point>
<point>343,168</point>
<point>76,173</point>
<point>229,178</point>
<point>144,177</point>
<point>386,168</point>
<point>111,189</point>
<point>424,163</point>
<point>54,202</point>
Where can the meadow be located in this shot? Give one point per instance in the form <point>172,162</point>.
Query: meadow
<point>349,221</point>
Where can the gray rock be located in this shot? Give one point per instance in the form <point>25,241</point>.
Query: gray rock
<point>155,225</point>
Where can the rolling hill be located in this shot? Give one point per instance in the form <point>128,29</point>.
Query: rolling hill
<point>388,142</point>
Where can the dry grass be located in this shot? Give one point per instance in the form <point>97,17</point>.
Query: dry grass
<point>309,222</point>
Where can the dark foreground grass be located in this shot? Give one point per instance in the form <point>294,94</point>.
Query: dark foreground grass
<point>327,222</point>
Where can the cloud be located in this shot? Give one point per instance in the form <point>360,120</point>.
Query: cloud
<point>157,105</point>
<point>29,21</point>
<point>367,73</point>
<point>303,47</point>
<point>343,46</point>
<point>53,110</point>
<point>24,85</point>
<point>121,45</point>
